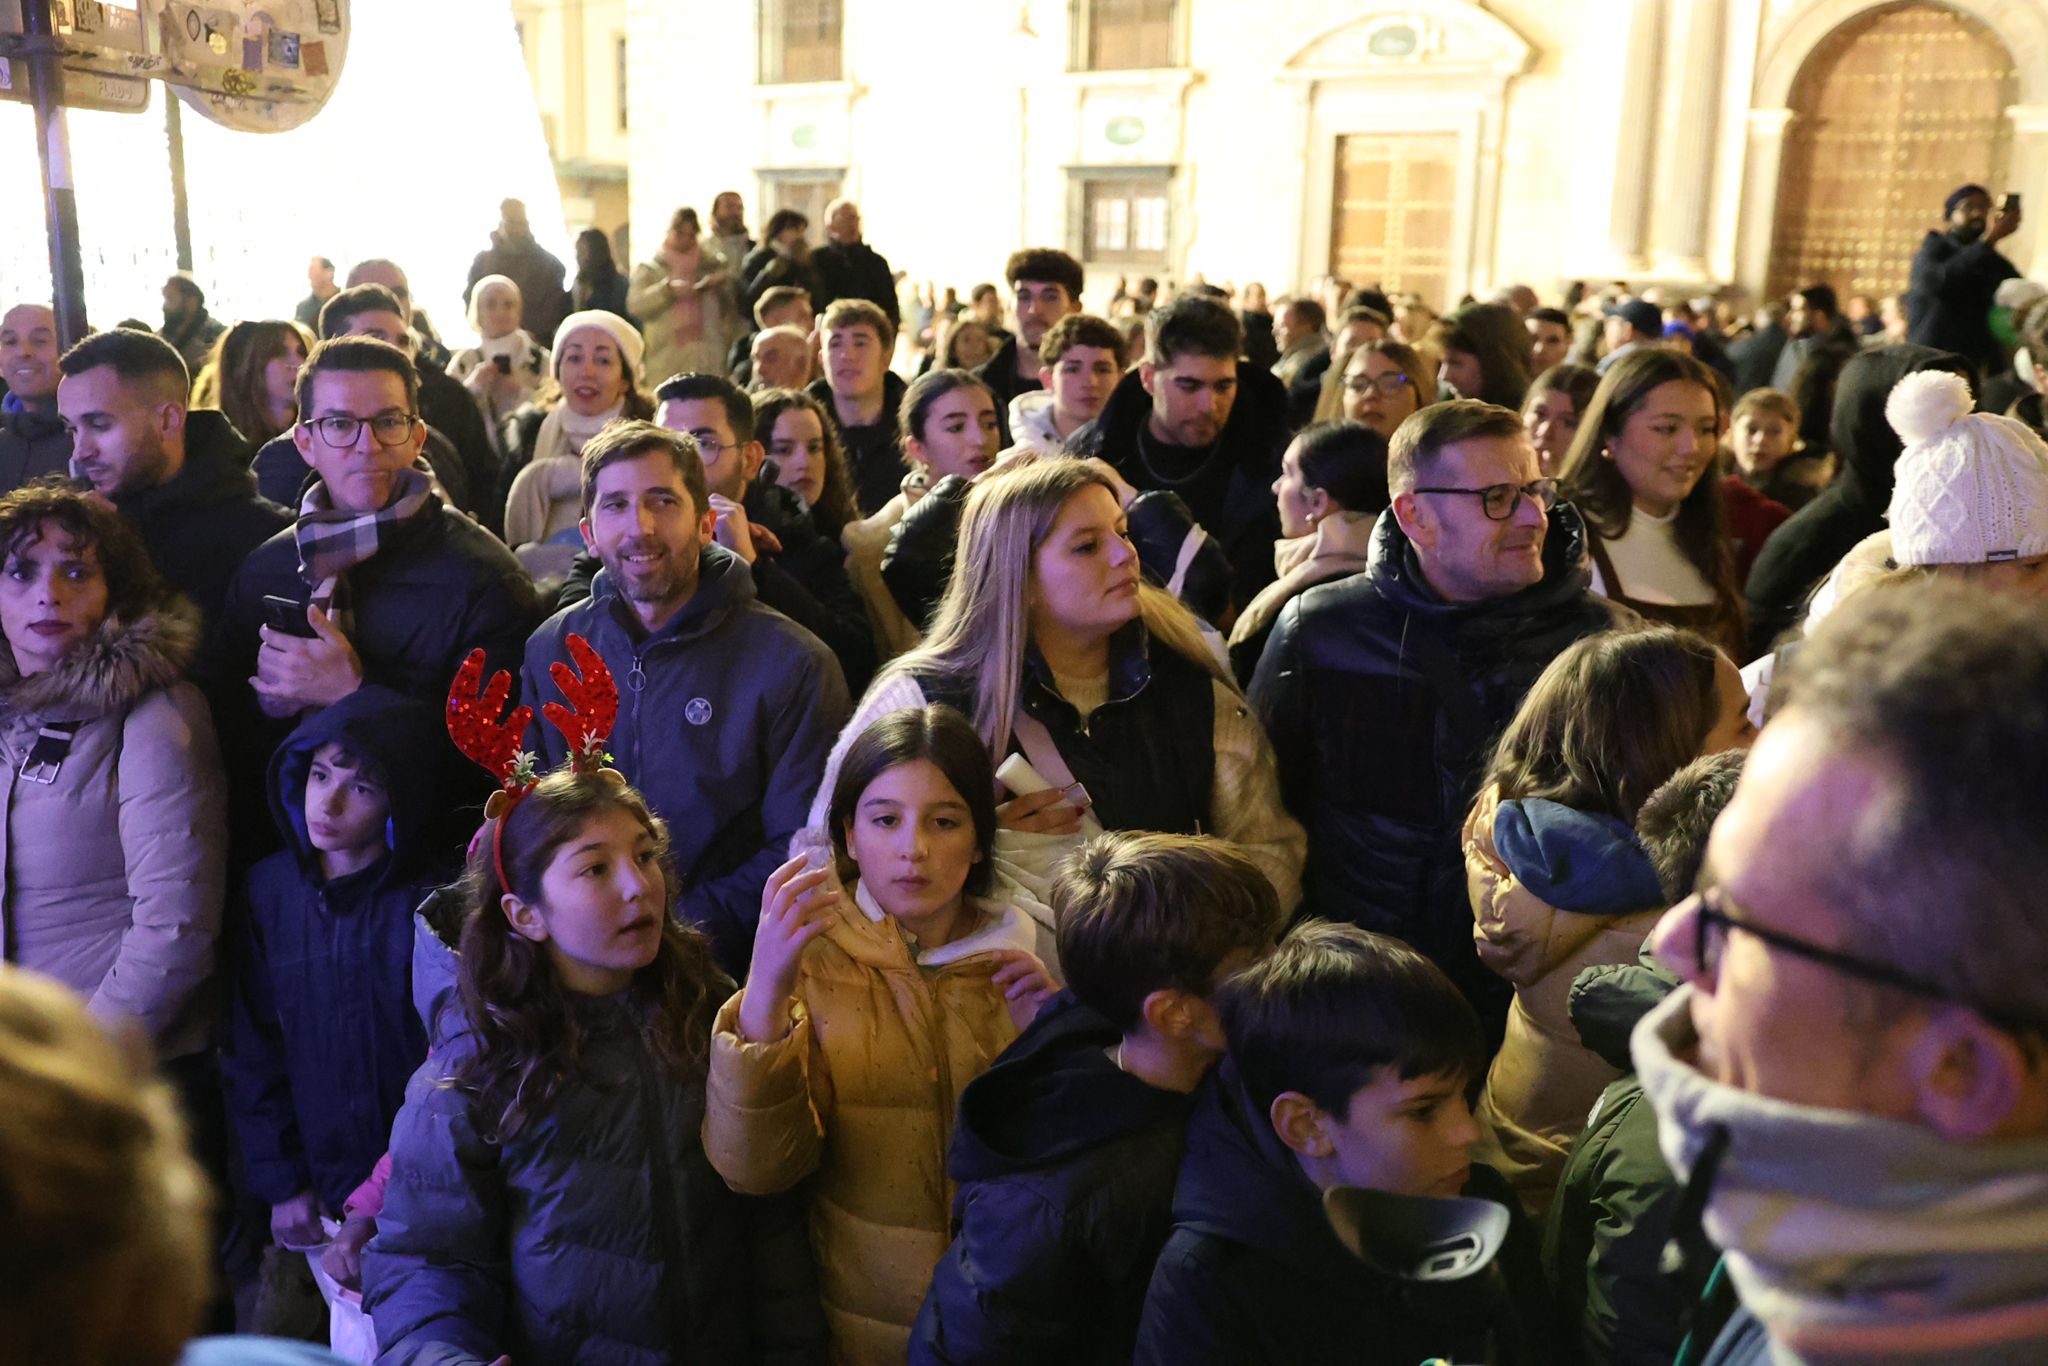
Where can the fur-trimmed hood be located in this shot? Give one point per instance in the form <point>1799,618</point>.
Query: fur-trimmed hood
<point>110,670</point>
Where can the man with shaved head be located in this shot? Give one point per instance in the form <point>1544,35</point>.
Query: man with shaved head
<point>850,268</point>
<point>33,438</point>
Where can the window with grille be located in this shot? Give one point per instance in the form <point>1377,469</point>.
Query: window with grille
<point>800,41</point>
<point>1125,35</point>
<point>1125,219</point>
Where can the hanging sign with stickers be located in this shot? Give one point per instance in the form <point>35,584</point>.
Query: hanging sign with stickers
<point>257,66</point>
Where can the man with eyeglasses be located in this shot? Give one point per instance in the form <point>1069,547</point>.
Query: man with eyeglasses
<point>1854,1080</point>
<point>1384,692</point>
<point>180,475</point>
<point>377,582</point>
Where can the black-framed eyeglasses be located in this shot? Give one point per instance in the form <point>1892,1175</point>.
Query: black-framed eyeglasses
<point>340,430</point>
<point>1389,384</point>
<point>1712,922</point>
<point>1500,500</point>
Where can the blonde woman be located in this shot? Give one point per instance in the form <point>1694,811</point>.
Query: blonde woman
<point>1051,642</point>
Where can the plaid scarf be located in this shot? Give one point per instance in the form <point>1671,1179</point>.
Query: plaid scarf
<point>332,542</point>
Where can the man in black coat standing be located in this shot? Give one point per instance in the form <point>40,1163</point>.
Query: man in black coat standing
<point>182,477</point>
<point>537,271</point>
<point>1955,275</point>
<point>851,269</point>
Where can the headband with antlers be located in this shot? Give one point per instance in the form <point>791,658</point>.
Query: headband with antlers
<point>497,745</point>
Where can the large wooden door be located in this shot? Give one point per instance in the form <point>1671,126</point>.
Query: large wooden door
<point>1890,113</point>
<point>1393,210</point>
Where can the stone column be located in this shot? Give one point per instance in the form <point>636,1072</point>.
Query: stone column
<point>1635,116</point>
<point>1689,124</point>
<point>1760,197</point>
<point>2026,170</point>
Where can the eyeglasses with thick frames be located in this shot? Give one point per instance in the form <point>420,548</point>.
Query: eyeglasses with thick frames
<point>1500,500</point>
<point>1712,922</point>
<point>340,430</point>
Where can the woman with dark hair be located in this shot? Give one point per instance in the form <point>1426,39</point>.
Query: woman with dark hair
<point>553,1197</point>
<point>869,1005</point>
<point>598,283</point>
<point>1557,400</point>
<point>1638,473</point>
<point>114,842</point>
<point>686,300</point>
<point>1559,882</point>
<point>253,375</point>
<point>1385,383</point>
<point>1332,488</point>
<point>1486,355</point>
<point>803,443</point>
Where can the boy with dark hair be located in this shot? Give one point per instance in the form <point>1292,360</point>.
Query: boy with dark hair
<point>1080,361</point>
<point>1047,284</point>
<point>322,1033</point>
<point>1067,1148</point>
<point>1350,1055</point>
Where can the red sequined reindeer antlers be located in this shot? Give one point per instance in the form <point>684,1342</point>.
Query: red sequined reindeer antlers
<point>586,723</point>
<point>496,746</point>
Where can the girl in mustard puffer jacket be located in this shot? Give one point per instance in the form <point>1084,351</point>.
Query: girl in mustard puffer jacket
<point>867,1010</point>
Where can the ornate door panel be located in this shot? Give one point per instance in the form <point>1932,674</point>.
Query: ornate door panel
<point>1890,113</point>
<point>1393,212</point>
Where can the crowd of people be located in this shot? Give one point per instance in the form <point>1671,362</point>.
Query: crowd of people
<point>762,813</point>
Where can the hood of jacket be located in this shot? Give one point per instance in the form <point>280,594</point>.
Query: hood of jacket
<point>436,994</point>
<point>401,737</point>
<point>894,386</point>
<point>1855,1238</point>
<point>1858,429</point>
<point>1031,419</point>
<point>109,670</point>
<point>866,934</point>
<point>30,424</point>
<point>1397,574</point>
<point>724,584</point>
<point>216,470</point>
<point>1575,860</point>
<point>1053,1093</point>
<point>1607,1001</point>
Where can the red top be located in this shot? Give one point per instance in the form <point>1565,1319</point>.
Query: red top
<point>1751,519</point>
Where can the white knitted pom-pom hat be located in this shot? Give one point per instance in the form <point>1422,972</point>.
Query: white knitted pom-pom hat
<point>1970,488</point>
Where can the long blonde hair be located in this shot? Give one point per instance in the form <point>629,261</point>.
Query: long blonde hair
<point>983,623</point>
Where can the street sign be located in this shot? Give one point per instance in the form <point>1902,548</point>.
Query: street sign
<point>82,89</point>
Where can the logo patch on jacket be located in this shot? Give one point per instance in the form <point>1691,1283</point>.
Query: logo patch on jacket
<point>698,711</point>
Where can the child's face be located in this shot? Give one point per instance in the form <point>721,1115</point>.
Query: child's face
<point>912,836</point>
<point>603,900</point>
<point>346,812</point>
<point>1761,440</point>
<point>1409,1137</point>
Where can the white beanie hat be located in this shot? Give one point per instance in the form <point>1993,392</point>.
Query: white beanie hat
<point>1970,488</point>
<point>612,325</point>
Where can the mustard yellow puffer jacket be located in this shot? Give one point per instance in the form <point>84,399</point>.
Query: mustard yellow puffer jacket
<point>861,1093</point>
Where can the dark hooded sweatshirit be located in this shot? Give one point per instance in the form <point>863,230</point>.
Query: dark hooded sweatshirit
<point>323,1036</point>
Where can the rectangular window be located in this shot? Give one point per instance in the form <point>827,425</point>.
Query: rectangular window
<point>1126,219</point>
<point>800,41</point>
<point>619,77</point>
<point>1125,35</point>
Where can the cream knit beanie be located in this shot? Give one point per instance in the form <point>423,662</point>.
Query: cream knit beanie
<point>1970,488</point>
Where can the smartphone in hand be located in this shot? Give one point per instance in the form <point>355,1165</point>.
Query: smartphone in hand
<point>286,617</point>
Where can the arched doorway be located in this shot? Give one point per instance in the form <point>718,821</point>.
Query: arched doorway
<point>1890,112</point>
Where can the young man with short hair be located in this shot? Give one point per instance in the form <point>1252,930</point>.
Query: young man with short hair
<point>34,438</point>
<point>1047,284</point>
<point>1081,358</point>
<point>864,397</point>
<point>727,707</point>
<point>188,327</point>
<point>1349,1057</point>
<point>1190,420</point>
<point>1067,1148</point>
<point>1550,338</point>
<point>180,474</point>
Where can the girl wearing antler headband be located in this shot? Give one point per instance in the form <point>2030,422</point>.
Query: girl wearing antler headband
<point>564,1112</point>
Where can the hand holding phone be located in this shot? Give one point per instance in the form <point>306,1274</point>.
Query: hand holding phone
<point>286,617</point>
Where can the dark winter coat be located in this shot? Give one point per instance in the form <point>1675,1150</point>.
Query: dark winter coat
<point>322,1035</point>
<point>1231,491</point>
<point>1383,701</point>
<point>1948,303</point>
<point>726,716</point>
<point>999,373</point>
<point>606,296</point>
<point>194,339</point>
<point>874,453</point>
<point>536,270</point>
<point>1066,1166</point>
<point>765,268</point>
<point>1253,1275</point>
<point>1806,547</point>
<point>598,1236</point>
<point>32,445</point>
<point>855,270</point>
<point>1755,357</point>
<point>202,522</point>
<point>450,409</point>
<point>1613,1212</point>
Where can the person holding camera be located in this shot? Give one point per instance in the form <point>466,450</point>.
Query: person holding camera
<point>505,368</point>
<point>1955,274</point>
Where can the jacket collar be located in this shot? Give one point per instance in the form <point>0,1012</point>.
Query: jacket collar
<point>724,584</point>
<point>1130,665</point>
<point>110,670</point>
<point>870,937</point>
<point>1397,573</point>
<point>216,470</point>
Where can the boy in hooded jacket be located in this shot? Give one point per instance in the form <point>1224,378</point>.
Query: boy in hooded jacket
<point>322,1035</point>
<point>1067,1148</point>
